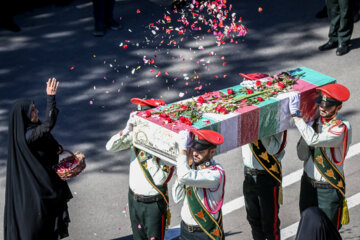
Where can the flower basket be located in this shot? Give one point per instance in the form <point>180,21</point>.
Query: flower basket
<point>70,166</point>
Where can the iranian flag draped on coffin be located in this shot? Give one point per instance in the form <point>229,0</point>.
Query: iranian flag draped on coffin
<point>242,113</point>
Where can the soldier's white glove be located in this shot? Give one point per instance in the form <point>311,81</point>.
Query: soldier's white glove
<point>130,123</point>
<point>294,103</point>
<point>183,139</point>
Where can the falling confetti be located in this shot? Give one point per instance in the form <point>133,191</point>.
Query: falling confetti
<point>199,20</point>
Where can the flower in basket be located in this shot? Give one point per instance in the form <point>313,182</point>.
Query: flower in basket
<point>200,100</point>
<point>230,91</point>
<point>249,91</point>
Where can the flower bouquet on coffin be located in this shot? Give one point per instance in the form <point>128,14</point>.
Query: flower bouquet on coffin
<point>251,92</point>
<point>155,130</point>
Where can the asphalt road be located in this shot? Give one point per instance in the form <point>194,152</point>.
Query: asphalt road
<point>57,42</point>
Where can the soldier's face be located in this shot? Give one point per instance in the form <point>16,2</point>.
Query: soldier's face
<point>199,157</point>
<point>329,112</point>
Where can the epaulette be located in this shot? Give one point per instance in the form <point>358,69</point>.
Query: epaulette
<point>165,168</point>
<point>337,123</point>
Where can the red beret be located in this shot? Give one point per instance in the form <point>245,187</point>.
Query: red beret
<point>253,76</point>
<point>208,135</point>
<point>335,91</point>
<point>147,102</point>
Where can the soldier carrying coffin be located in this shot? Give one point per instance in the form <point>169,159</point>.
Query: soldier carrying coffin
<point>323,146</point>
<point>148,178</point>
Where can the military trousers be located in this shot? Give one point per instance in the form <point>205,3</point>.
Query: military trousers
<point>148,220</point>
<point>329,200</point>
<point>261,194</point>
<point>185,234</point>
<point>341,20</point>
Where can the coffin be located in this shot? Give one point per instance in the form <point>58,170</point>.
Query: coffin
<point>246,124</point>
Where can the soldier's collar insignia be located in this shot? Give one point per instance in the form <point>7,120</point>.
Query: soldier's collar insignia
<point>324,98</point>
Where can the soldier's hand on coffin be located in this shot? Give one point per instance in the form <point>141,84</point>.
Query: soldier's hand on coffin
<point>294,103</point>
<point>184,139</point>
<point>130,123</point>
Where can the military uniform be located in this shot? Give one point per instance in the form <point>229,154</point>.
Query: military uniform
<point>341,20</point>
<point>201,188</point>
<point>148,195</point>
<point>322,147</point>
<point>262,185</point>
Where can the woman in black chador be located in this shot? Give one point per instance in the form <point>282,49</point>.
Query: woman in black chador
<point>36,198</point>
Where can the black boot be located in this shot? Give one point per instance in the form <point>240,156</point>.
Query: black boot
<point>342,49</point>
<point>327,46</point>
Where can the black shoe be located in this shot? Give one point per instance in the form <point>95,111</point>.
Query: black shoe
<point>342,49</point>
<point>114,25</point>
<point>327,46</point>
<point>99,32</point>
<point>322,13</point>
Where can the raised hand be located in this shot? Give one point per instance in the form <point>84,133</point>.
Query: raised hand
<point>51,86</point>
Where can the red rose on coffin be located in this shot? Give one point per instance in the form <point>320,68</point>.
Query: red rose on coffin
<point>168,119</point>
<point>188,122</point>
<point>223,110</point>
<point>183,107</point>
<point>182,119</point>
<point>260,99</point>
<point>249,91</point>
<point>147,114</point>
<point>258,83</point>
<point>281,85</point>
<point>163,115</point>
<point>269,83</point>
<point>200,99</point>
<point>230,91</point>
